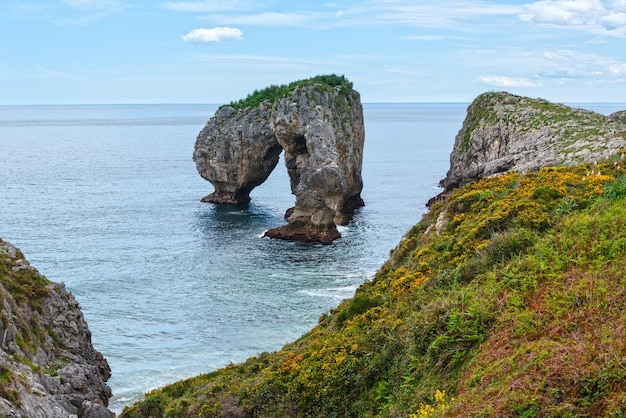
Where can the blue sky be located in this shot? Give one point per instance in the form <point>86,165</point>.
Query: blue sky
<point>211,51</point>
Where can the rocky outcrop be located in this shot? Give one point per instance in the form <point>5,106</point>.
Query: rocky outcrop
<point>236,151</point>
<point>48,365</point>
<point>322,133</point>
<point>503,132</point>
<point>320,128</point>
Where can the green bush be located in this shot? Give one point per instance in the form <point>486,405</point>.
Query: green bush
<point>275,92</point>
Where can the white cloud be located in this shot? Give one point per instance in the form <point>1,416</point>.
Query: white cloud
<point>207,6</point>
<point>613,20</point>
<point>431,38</point>
<point>563,12</point>
<point>219,34</point>
<point>617,69</point>
<point>113,5</point>
<point>503,81</point>
<point>592,16</point>
<point>297,19</point>
<point>563,72</point>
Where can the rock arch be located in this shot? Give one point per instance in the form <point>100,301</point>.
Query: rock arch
<point>320,129</point>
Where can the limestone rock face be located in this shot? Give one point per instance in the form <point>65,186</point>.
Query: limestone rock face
<point>321,130</point>
<point>236,151</point>
<point>503,132</point>
<point>322,133</point>
<point>48,365</point>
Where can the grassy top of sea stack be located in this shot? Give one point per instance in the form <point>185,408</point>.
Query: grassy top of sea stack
<point>273,93</point>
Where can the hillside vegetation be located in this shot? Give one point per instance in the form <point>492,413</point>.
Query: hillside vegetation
<point>507,299</point>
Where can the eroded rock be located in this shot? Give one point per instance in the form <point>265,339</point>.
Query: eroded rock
<point>503,132</point>
<point>320,128</point>
<point>322,133</point>
<point>236,151</point>
<point>48,365</point>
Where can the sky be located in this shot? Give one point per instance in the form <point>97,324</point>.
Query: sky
<point>217,51</point>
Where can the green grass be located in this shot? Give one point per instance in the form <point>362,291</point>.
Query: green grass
<point>275,92</point>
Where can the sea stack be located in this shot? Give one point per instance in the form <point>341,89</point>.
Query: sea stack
<point>319,124</point>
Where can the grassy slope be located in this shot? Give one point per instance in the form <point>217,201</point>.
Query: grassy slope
<point>515,306</point>
<point>22,293</point>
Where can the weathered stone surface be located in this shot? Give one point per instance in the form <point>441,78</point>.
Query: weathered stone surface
<point>321,130</point>
<point>322,133</point>
<point>503,132</point>
<point>48,365</point>
<point>236,151</point>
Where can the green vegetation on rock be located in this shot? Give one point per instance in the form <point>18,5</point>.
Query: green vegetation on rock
<point>507,299</point>
<point>276,92</point>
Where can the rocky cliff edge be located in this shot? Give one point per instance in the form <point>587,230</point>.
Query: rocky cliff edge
<point>48,365</point>
<point>503,132</point>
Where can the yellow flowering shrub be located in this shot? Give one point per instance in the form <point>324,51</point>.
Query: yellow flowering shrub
<point>424,324</point>
<point>439,407</point>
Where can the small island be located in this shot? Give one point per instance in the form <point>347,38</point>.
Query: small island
<point>318,123</point>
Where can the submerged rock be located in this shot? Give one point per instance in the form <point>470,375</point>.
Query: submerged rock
<point>503,132</point>
<point>320,127</point>
<point>48,365</point>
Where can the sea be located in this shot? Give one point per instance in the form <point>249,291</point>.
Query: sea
<point>106,198</point>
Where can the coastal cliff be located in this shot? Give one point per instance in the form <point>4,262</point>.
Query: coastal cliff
<point>508,298</point>
<point>48,366</point>
<point>503,132</point>
<point>319,124</point>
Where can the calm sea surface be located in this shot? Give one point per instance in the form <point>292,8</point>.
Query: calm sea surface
<point>106,200</point>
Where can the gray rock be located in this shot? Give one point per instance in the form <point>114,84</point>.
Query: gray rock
<point>321,130</point>
<point>48,364</point>
<point>322,133</point>
<point>236,151</point>
<point>503,132</point>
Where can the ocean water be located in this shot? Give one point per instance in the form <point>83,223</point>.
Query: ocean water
<point>107,200</point>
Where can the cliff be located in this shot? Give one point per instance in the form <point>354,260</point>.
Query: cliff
<point>319,124</point>
<point>503,132</point>
<point>48,366</point>
<point>507,299</point>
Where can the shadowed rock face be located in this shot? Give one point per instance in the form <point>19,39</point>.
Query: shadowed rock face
<point>321,130</point>
<point>503,132</point>
<point>236,151</point>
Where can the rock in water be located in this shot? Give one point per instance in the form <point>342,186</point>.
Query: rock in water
<point>319,126</point>
<point>322,133</point>
<point>236,151</point>
<point>503,132</point>
<point>48,366</point>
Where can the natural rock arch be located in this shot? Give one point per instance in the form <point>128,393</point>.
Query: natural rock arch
<point>321,131</point>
